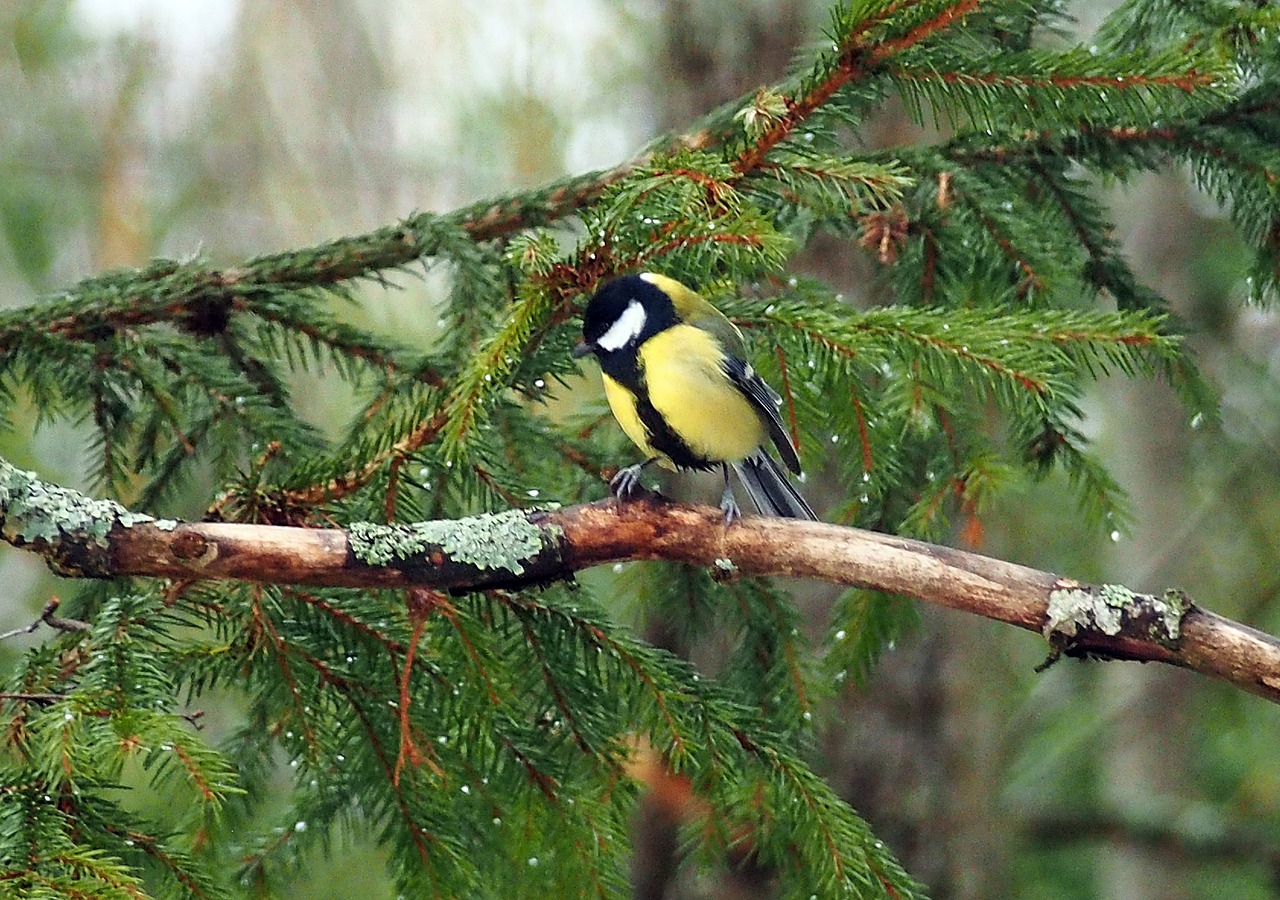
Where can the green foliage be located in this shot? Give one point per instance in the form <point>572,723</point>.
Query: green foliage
<point>491,743</point>
<point>864,624</point>
<point>67,827</point>
<point>1039,89</point>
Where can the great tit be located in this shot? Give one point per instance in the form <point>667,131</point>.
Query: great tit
<point>676,377</point>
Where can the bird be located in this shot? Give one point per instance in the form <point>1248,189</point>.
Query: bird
<point>678,382</point>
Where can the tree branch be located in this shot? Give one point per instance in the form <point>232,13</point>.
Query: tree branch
<point>1221,841</point>
<point>204,296</point>
<point>48,617</point>
<point>82,537</point>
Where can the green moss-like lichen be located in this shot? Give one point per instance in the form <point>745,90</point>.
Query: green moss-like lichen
<point>1107,608</point>
<point>1073,609</point>
<point>503,540</point>
<point>1118,596</point>
<point>35,511</point>
<point>1174,605</point>
<point>724,564</point>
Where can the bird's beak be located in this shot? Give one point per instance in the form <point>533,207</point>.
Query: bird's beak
<point>581,349</point>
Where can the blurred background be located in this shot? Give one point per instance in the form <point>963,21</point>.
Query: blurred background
<point>138,128</point>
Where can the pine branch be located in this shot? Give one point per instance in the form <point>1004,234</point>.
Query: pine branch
<point>175,291</point>
<point>85,538</point>
<point>865,44</point>
<point>868,36</point>
<point>1037,88</point>
<point>195,291</point>
<point>863,624</point>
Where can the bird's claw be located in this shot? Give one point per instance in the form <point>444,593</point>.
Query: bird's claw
<point>624,484</point>
<point>729,504</point>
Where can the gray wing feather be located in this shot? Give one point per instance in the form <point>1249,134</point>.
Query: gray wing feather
<point>770,489</point>
<point>766,400</point>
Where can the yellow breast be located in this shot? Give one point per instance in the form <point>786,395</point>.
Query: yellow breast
<point>687,388</point>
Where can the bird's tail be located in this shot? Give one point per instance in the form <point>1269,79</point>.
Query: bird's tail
<point>770,488</point>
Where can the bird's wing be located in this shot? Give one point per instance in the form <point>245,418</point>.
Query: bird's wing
<point>766,400</point>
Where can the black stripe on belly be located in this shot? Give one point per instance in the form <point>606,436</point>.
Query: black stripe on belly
<point>664,440</point>
<point>624,368</point>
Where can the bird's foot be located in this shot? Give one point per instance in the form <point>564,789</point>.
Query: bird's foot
<point>729,505</point>
<point>625,483</point>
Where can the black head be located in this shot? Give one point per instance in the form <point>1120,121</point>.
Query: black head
<point>623,314</point>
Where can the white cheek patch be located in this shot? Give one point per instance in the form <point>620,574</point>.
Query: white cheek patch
<point>626,329</point>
